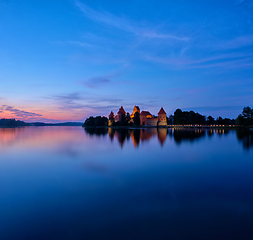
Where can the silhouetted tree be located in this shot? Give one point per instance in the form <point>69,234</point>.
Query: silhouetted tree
<point>12,123</point>
<point>136,119</point>
<point>188,117</point>
<point>96,122</point>
<point>170,120</point>
<point>210,120</point>
<point>246,118</point>
<point>240,120</point>
<point>219,120</point>
<point>178,117</point>
<point>128,117</point>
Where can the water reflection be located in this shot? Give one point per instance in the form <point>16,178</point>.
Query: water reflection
<point>75,183</point>
<point>136,135</point>
<point>245,136</point>
<point>179,135</point>
<point>97,131</point>
<point>10,135</point>
<point>59,139</point>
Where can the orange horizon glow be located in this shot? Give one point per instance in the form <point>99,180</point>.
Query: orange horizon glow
<point>42,115</point>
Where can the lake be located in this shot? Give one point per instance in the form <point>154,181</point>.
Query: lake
<point>75,183</point>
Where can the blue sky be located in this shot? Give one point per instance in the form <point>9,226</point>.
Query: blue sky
<point>66,60</point>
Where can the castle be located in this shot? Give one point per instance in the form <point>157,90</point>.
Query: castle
<point>145,117</point>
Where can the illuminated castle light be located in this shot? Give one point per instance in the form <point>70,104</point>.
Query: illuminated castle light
<point>136,109</point>
<point>146,118</point>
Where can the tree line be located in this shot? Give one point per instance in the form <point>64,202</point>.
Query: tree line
<point>190,117</point>
<point>96,122</point>
<point>103,121</point>
<point>12,123</point>
<point>178,118</point>
<point>246,117</point>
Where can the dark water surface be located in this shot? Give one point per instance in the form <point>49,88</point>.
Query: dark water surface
<point>71,183</point>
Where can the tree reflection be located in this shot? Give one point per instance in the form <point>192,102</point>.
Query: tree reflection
<point>179,135</point>
<point>96,131</point>
<point>136,135</point>
<point>246,137</point>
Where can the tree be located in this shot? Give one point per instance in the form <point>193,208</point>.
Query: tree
<point>89,122</point>
<point>246,118</point>
<point>128,117</point>
<point>170,120</point>
<point>240,120</point>
<point>12,123</point>
<point>136,118</point>
<point>210,120</point>
<point>96,122</point>
<point>188,117</point>
<point>247,112</point>
<point>219,120</point>
<point>178,117</point>
<point>123,120</point>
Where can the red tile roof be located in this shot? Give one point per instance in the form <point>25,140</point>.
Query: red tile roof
<point>121,110</point>
<point>162,111</point>
<point>111,114</point>
<point>145,113</point>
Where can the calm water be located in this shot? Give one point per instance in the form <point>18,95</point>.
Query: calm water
<point>71,183</point>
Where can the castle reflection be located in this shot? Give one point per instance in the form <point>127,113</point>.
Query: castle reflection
<point>179,135</point>
<point>136,135</point>
<point>145,134</point>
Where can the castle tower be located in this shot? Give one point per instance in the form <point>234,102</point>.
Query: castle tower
<point>144,116</point>
<point>111,115</point>
<point>111,119</point>
<point>136,109</point>
<point>119,114</point>
<point>162,119</point>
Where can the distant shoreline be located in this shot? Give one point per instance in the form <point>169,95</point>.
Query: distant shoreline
<point>12,122</point>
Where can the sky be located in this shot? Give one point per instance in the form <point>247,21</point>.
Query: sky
<point>65,60</point>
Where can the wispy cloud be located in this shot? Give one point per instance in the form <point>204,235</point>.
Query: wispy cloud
<point>96,82</point>
<point>75,43</point>
<point>227,64</point>
<point>124,24</point>
<point>219,60</point>
<point>84,103</point>
<point>69,100</point>
<point>163,36</point>
<point>105,18</point>
<point>106,79</point>
<point>239,42</point>
<point>12,112</point>
<point>19,113</point>
<point>81,44</point>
